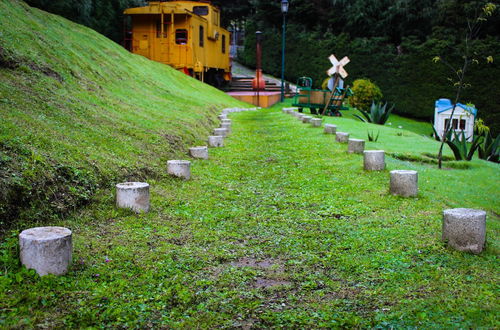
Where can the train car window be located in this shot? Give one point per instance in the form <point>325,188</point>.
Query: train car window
<point>223,44</point>
<point>200,10</point>
<point>202,41</point>
<point>181,36</point>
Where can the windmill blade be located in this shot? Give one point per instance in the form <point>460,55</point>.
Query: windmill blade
<point>334,60</point>
<point>332,71</point>
<point>345,61</point>
<point>343,73</point>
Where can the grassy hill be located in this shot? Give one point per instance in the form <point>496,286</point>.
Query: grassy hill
<point>79,112</point>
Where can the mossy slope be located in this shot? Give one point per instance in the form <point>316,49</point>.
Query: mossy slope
<point>79,111</point>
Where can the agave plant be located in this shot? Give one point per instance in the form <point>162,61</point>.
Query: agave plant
<point>460,147</point>
<point>378,114</point>
<point>489,149</point>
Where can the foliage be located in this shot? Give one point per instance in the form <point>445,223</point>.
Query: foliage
<point>261,238</point>
<point>489,149</point>
<point>378,114</point>
<point>459,145</point>
<point>365,93</point>
<point>76,117</point>
<point>372,136</point>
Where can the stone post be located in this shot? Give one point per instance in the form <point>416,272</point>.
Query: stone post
<point>199,152</point>
<point>222,116</point>
<point>330,129</point>
<point>227,126</point>
<point>220,132</point>
<point>465,229</point>
<point>404,183</point>
<point>306,119</point>
<point>47,250</point>
<point>342,137</point>
<point>179,168</point>
<point>374,160</point>
<point>216,141</point>
<point>133,195</point>
<point>355,146</point>
<point>226,121</point>
<point>316,122</point>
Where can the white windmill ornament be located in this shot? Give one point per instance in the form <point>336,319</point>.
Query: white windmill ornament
<point>337,74</point>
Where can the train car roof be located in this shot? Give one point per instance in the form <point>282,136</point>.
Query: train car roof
<point>158,7</point>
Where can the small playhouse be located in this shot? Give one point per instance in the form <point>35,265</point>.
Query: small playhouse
<point>463,118</point>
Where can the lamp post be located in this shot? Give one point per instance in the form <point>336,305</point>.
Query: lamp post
<point>284,11</point>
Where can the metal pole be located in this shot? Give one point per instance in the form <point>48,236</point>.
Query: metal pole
<point>283,59</point>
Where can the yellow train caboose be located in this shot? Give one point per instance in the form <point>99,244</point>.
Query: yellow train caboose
<point>185,35</point>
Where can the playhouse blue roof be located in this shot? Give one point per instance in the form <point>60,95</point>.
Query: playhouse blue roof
<point>443,105</point>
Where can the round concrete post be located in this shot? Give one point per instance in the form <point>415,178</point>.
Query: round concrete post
<point>465,229</point>
<point>306,119</point>
<point>316,122</point>
<point>199,152</point>
<point>300,116</point>
<point>404,183</point>
<point>47,250</point>
<point>220,132</point>
<point>342,137</point>
<point>374,160</point>
<point>226,121</point>
<point>133,195</point>
<point>227,126</point>
<point>330,129</point>
<point>222,116</point>
<point>179,168</point>
<point>356,146</point>
<point>216,141</point>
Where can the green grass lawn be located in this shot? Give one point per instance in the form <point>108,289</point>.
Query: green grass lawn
<point>280,228</point>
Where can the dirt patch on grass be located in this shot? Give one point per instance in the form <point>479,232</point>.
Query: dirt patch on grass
<point>265,264</point>
<point>265,283</point>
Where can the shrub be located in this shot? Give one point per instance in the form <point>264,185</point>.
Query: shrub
<point>365,93</point>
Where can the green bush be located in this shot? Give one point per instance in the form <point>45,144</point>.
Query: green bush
<point>365,93</point>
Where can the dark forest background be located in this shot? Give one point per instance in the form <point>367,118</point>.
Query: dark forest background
<point>391,42</point>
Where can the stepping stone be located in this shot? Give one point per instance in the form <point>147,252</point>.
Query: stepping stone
<point>216,141</point>
<point>47,250</point>
<point>179,168</point>
<point>342,137</point>
<point>133,195</point>
<point>330,129</point>
<point>404,183</point>
<point>374,160</point>
<point>355,146</point>
<point>316,122</point>
<point>199,152</point>
<point>465,229</point>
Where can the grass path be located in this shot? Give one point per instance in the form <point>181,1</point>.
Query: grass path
<point>279,228</point>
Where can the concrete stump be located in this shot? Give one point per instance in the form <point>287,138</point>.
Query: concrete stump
<point>199,152</point>
<point>222,116</point>
<point>465,229</point>
<point>133,195</point>
<point>226,121</point>
<point>374,160</point>
<point>356,146</point>
<point>179,168</point>
<point>342,137</point>
<point>216,141</point>
<point>404,183</point>
<point>220,132</point>
<point>306,119</point>
<point>300,116</point>
<point>316,122</point>
<point>227,126</point>
<point>47,250</point>
<point>330,129</point>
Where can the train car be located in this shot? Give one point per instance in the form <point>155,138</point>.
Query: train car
<point>185,35</point>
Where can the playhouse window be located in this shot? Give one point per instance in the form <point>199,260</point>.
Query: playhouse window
<point>462,124</point>
<point>200,10</point>
<point>202,41</point>
<point>181,36</point>
<point>223,44</point>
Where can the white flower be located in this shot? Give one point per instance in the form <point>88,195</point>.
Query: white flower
<point>400,126</point>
